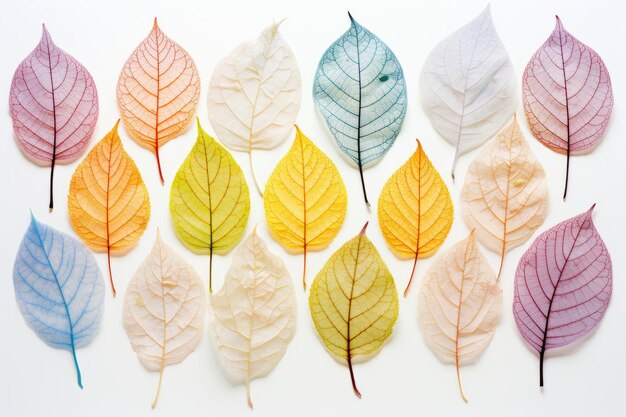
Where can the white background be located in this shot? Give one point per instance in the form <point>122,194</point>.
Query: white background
<point>405,378</point>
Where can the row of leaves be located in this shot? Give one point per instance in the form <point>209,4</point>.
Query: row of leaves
<point>563,282</point>
<point>467,87</point>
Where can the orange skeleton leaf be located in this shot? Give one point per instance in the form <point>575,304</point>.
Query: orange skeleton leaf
<point>158,91</point>
<point>415,211</point>
<point>108,201</point>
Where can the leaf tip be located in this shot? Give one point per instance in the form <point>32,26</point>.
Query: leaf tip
<point>33,219</point>
<point>155,26</point>
<point>593,206</point>
<point>351,19</point>
<point>298,132</point>
<point>45,35</point>
<point>559,24</point>
<point>276,25</point>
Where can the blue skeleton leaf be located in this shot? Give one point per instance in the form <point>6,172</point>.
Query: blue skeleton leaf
<point>359,89</point>
<point>59,289</point>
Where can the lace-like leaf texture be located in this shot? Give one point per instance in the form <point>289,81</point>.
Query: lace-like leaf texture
<point>164,310</point>
<point>255,94</point>
<point>59,289</point>
<point>467,86</point>
<point>305,199</point>
<point>567,95</point>
<point>415,211</point>
<point>563,286</point>
<point>254,313</point>
<point>354,302</point>
<point>460,305</point>
<point>158,91</point>
<point>359,89</point>
<point>209,200</point>
<point>54,106</point>
<point>108,202</point>
<point>505,195</point>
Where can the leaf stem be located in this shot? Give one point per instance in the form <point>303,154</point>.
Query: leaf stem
<point>211,267</point>
<point>158,391</point>
<point>256,183</point>
<point>159,161</point>
<point>304,269</point>
<point>501,262</point>
<point>541,355</point>
<point>51,205</point>
<point>406,290</point>
<point>458,377</point>
<point>356,390</point>
<point>248,396</point>
<point>110,273</point>
<point>361,174</point>
<point>78,374</point>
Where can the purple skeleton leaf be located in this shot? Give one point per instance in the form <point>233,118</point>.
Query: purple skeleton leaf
<point>563,285</point>
<point>567,95</point>
<point>54,106</point>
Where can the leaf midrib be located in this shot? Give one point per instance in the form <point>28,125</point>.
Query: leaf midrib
<point>566,107</point>
<point>556,285</point>
<point>458,139</point>
<point>208,183</point>
<point>353,276</point>
<point>67,310</point>
<point>54,118</point>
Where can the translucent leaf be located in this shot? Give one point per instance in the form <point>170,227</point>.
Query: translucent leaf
<point>359,89</point>
<point>255,94</point>
<point>305,199</point>
<point>563,285</point>
<point>209,200</point>
<point>254,313</point>
<point>164,310</point>
<point>415,211</point>
<point>505,195</point>
<point>567,95</point>
<point>467,86</point>
<point>158,91</point>
<point>54,106</point>
<point>460,305</point>
<point>58,288</point>
<point>354,302</point>
<point>108,202</point>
